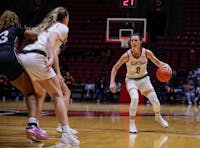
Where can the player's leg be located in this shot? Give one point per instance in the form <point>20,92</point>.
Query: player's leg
<point>50,83</point>
<point>133,109</point>
<point>15,73</point>
<point>66,98</point>
<point>53,88</point>
<point>66,95</point>
<point>41,96</point>
<point>133,92</point>
<point>23,83</point>
<point>148,91</point>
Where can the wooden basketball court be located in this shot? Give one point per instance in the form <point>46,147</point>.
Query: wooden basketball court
<point>105,126</point>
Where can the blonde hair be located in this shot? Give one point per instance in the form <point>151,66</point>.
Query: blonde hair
<point>55,15</point>
<point>8,19</point>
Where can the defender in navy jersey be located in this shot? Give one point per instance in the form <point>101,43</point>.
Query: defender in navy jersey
<point>10,32</point>
<point>10,66</point>
<point>136,59</point>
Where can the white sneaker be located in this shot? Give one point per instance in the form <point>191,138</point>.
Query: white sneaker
<point>161,121</point>
<point>59,129</point>
<point>69,139</point>
<point>132,128</point>
<point>73,131</point>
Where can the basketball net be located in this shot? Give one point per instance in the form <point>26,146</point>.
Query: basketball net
<point>124,41</point>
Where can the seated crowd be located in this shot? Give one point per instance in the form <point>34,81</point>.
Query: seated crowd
<point>182,88</point>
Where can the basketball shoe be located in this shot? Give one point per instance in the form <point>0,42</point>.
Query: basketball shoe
<point>161,121</point>
<point>34,133</point>
<point>59,129</point>
<point>69,138</point>
<point>44,131</point>
<point>132,127</point>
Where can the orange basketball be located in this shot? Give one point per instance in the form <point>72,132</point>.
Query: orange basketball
<point>163,74</point>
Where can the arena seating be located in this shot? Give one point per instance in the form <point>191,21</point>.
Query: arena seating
<point>87,34</point>
<point>184,48</point>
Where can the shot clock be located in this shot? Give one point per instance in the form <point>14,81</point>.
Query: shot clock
<point>128,3</point>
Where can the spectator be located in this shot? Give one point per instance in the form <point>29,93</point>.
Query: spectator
<point>100,89</point>
<point>197,71</point>
<point>90,88</point>
<point>119,86</point>
<point>69,80</point>
<point>114,97</point>
<point>165,92</point>
<point>190,92</point>
<point>190,76</point>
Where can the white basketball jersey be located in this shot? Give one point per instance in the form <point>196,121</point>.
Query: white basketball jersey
<point>136,66</point>
<point>41,44</point>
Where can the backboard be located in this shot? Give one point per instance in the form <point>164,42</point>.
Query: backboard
<point>122,27</point>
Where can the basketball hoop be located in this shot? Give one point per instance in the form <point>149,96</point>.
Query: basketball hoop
<point>124,41</point>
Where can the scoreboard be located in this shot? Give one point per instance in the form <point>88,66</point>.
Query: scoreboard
<point>128,3</point>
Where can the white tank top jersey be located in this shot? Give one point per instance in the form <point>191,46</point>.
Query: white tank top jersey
<point>41,43</point>
<point>136,66</point>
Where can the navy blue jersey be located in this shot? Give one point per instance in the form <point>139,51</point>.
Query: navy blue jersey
<point>10,36</point>
<point>9,64</point>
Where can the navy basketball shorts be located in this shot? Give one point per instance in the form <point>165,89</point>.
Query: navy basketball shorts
<point>9,64</point>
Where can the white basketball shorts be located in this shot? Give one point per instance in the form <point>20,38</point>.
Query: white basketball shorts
<point>34,64</point>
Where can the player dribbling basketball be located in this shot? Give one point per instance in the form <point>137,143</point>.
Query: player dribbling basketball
<point>163,74</point>
<point>136,59</point>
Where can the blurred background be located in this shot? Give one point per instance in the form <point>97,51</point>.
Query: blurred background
<point>171,31</point>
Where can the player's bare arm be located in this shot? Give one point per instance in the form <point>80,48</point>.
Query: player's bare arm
<point>51,41</point>
<point>120,62</point>
<point>155,60</point>
<point>28,34</point>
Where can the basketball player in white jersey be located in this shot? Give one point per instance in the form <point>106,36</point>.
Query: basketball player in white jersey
<point>41,94</point>
<point>136,59</point>
<point>38,59</point>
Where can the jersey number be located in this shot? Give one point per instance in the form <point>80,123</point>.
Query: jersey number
<point>4,37</point>
<point>137,70</point>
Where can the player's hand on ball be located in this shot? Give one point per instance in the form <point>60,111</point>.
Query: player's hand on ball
<point>113,87</point>
<point>168,68</point>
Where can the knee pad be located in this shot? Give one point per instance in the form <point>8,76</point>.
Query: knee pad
<point>154,101</point>
<point>134,102</point>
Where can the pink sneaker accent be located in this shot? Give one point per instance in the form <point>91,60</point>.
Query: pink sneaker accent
<point>34,133</point>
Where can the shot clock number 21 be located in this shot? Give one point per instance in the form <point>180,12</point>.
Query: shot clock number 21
<point>128,3</point>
